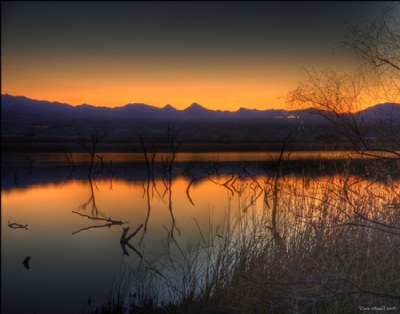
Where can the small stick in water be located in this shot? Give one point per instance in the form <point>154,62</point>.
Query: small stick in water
<point>15,225</point>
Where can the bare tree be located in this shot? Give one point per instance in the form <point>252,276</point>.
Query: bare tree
<point>378,47</point>
<point>338,96</point>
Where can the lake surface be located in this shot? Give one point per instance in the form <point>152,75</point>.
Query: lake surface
<point>75,252</point>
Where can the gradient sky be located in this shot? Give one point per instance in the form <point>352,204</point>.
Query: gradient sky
<point>223,55</point>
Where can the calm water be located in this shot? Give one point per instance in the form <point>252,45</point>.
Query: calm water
<point>74,258</point>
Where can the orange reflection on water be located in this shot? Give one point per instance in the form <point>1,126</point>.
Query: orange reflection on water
<point>128,200</point>
<point>48,210</point>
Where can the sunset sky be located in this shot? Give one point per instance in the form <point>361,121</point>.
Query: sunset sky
<point>223,55</point>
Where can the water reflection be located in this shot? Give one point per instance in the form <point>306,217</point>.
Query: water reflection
<point>26,262</point>
<point>151,211</point>
<point>92,200</point>
<point>124,241</point>
<point>109,222</point>
<point>95,213</point>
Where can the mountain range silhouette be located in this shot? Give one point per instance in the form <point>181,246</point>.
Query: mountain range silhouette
<point>26,120</point>
<point>139,111</point>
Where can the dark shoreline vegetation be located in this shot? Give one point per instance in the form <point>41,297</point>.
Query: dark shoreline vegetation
<point>21,145</point>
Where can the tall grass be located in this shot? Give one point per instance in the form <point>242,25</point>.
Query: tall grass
<point>294,245</point>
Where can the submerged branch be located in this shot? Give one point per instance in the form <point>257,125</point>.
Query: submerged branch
<point>93,227</point>
<point>109,220</point>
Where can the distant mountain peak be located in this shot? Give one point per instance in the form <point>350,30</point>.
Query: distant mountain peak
<point>195,107</point>
<point>169,107</point>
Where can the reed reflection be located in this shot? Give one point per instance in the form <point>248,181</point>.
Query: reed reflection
<point>150,175</point>
<point>166,174</point>
<point>93,169</point>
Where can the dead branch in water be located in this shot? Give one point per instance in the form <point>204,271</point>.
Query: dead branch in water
<point>109,220</point>
<point>93,227</point>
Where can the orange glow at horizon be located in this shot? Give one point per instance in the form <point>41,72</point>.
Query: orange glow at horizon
<point>255,84</point>
<point>226,94</point>
<point>213,98</point>
<point>217,86</point>
<point>220,93</point>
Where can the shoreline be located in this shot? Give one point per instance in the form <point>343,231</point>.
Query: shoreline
<point>19,145</point>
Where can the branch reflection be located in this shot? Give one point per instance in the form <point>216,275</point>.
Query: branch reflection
<point>110,222</point>
<point>124,241</point>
